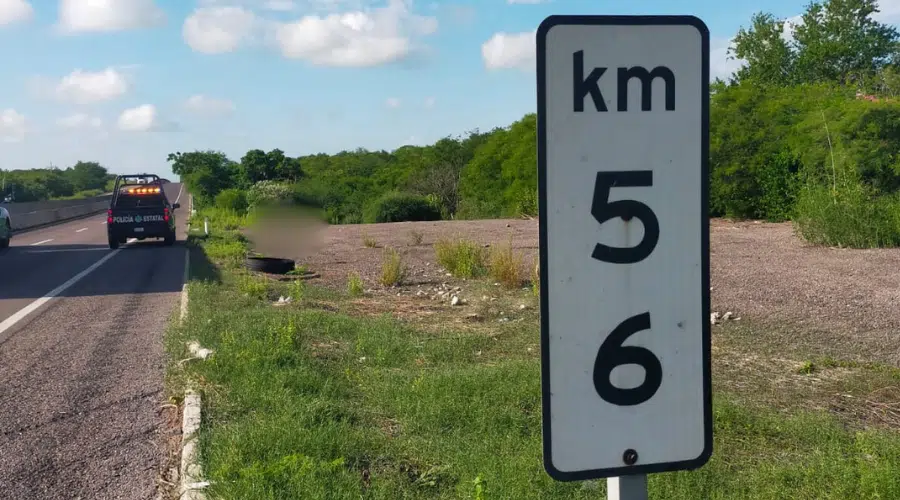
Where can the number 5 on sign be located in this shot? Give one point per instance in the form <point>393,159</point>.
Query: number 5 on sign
<point>623,140</point>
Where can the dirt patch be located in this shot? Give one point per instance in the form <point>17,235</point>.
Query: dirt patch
<point>170,441</point>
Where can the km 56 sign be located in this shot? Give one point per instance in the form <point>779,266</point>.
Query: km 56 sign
<point>623,140</point>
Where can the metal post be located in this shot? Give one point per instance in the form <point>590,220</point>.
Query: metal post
<point>206,226</point>
<point>627,487</point>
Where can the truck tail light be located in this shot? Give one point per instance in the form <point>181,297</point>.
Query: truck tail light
<point>166,214</point>
<point>109,219</point>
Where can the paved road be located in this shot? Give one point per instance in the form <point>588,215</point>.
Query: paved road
<point>81,361</point>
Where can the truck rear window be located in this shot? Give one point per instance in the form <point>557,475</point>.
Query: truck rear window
<point>138,201</point>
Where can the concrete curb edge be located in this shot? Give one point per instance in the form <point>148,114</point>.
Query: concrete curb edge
<point>190,472</point>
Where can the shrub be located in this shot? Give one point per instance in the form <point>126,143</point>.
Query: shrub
<point>853,216</point>
<point>392,268</point>
<point>506,265</point>
<point>463,259</point>
<point>232,199</point>
<point>354,285</point>
<point>368,241</point>
<point>400,207</point>
<point>415,238</point>
<point>269,193</point>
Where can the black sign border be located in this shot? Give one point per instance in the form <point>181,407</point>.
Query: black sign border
<point>600,20</point>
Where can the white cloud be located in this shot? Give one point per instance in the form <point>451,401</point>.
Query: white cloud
<point>86,87</point>
<point>393,102</point>
<point>12,126</point>
<point>79,120</point>
<point>15,11</point>
<point>358,38</point>
<point>76,16</point>
<point>142,118</point>
<point>509,50</point>
<point>429,102</point>
<point>205,105</point>
<point>719,63</point>
<point>216,30</point>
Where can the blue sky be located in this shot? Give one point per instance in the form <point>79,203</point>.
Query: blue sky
<point>125,82</point>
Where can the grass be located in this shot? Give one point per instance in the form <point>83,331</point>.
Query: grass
<point>354,285</point>
<point>392,269</point>
<point>303,401</point>
<point>368,241</point>
<point>415,237</point>
<point>536,278</point>
<point>506,265</point>
<point>461,258</point>
<point>852,217</point>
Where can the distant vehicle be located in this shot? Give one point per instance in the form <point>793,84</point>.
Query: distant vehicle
<point>5,228</point>
<point>140,209</point>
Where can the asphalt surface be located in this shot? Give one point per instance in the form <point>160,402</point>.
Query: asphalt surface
<point>81,374</point>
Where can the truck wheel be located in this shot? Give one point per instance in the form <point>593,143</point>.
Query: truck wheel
<point>113,242</point>
<point>170,239</point>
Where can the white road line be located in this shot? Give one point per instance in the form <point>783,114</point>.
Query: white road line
<point>68,250</point>
<point>104,222</point>
<point>180,189</point>
<point>30,308</point>
<point>82,229</point>
<point>41,242</point>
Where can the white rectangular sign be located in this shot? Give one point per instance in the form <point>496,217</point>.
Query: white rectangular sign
<point>623,141</point>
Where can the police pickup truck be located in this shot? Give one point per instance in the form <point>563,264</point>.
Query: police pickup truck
<point>139,209</point>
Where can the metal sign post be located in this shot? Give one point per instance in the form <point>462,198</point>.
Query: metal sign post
<point>623,142</point>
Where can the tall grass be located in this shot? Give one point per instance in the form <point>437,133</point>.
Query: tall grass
<point>462,258</point>
<point>850,216</point>
<point>506,265</point>
<point>392,269</point>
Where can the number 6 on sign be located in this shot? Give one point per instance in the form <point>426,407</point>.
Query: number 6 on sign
<point>613,354</point>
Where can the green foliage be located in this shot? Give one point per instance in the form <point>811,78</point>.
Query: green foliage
<point>232,199</point>
<point>354,284</point>
<point>401,207</point>
<point>837,41</point>
<point>853,216</point>
<point>462,258</point>
<point>83,180</point>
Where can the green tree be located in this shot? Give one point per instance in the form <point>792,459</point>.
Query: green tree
<point>206,173</point>
<point>840,41</point>
<point>86,175</point>
<point>770,59</point>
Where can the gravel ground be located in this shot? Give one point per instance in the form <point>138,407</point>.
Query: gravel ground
<point>759,271</point>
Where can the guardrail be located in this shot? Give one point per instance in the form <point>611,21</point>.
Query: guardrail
<point>42,213</point>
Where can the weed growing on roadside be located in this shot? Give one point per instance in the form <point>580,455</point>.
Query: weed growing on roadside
<point>297,288</point>
<point>536,278</point>
<point>368,241</point>
<point>506,265</point>
<point>415,237</point>
<point>354,284</point>
<point>462,258</point>
<point>392,268</point>
<point>252,286</point>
